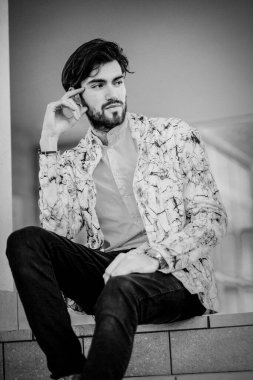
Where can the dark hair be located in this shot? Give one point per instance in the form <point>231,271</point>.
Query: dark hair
<point>88,57</point>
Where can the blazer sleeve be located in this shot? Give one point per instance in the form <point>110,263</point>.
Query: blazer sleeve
<point>58,199</point>
<point>206,218</point>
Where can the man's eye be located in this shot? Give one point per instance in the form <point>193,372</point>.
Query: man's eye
<point>119,82</point>
<point>99,85</point>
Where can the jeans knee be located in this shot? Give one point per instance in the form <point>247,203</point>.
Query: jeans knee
<point>121,284</point>
<point>118,297</point>
<point>19,240</point>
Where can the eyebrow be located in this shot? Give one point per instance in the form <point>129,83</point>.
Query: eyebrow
<point>104,81</point>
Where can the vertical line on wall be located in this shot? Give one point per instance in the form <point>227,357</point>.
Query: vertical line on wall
<point>3,358</point>
<point>170,352</point>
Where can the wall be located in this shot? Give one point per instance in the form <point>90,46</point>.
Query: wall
<point>192,59</point>
<point>8,317</point>
<point>233,258</point>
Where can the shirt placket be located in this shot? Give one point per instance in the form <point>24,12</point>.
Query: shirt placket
<point>123,185</point>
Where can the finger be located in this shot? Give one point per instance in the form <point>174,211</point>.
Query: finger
<point>114,263</point>
<point>76,97</point>
<point>76,115</point>
<point>125,266</point>
<point>84,109</point>
<point>80,113</point>
<point>56,106</point>
<point>77,108</point>
<point>122,270</point>
<point>140,263</point>
<point>70,111</point>
<point>71,93</point>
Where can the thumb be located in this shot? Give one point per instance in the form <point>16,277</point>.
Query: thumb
<point>84,110</point>
<point>114,263</point>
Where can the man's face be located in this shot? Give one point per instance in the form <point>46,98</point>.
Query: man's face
<point>105,96</point>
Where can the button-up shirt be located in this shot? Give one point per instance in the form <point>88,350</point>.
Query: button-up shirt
<point>116,207</point>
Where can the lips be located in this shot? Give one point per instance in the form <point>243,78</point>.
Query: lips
<point>113,105</point>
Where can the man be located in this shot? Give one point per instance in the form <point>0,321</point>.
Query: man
<point>140,192</point>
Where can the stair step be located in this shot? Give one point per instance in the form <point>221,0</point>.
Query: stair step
<point>248,375</point>
<point>201,376</point>
<point>151,378</point>
<point>200,348</point>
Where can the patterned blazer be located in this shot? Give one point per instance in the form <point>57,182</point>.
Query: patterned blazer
<point>174,189</point>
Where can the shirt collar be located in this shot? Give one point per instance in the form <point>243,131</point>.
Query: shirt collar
<point>138,125</point>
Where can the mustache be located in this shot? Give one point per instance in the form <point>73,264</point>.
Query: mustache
<point>115,101</point>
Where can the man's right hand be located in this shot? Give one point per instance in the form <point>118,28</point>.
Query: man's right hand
<point>60,116</point>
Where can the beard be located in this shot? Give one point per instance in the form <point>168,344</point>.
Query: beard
<point>104,123</point>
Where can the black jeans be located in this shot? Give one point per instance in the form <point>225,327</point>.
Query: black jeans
<point>45,264</point>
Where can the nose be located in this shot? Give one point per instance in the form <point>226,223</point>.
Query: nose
<point>111,92</point>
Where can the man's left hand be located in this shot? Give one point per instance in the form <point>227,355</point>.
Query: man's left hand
<point>129,262</point>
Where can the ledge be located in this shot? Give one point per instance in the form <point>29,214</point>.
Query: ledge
<point>203,322</point>
<point>15,336</point>
<point>211,347</point>
<point>226,320</point>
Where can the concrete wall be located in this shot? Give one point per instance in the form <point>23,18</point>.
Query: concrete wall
<point>192,59</point>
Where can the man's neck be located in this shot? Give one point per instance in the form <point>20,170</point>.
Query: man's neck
<point>102,135</point>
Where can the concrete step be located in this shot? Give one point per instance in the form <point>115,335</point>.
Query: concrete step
<point>201,376</point>
<point>216,347</point>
